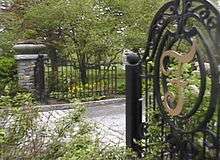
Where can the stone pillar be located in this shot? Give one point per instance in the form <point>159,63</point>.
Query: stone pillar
<point>25,70</point>
<point>27,55</point>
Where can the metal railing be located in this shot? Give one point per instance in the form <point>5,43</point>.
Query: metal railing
<point>66,81</point>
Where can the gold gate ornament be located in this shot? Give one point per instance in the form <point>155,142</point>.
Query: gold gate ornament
<point>178,82</point>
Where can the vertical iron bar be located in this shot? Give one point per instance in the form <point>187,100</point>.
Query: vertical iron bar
<point>116,81</point>
<point>40,79</point>
<point>71,82</point>
<point>61,92</point>
<point>84,84</point>
<point>92,81</point>
<point>100,80</point>
<point>96,82</point>
<point>77,93</point>
<point>108,70</point>
<point>57,83</point>
<point>87,87</point>
<point>67,73</point>
<point>218,132</point>
<point>112,79</point>
<point>49,89</point>
<point>104,77</point>
<point>146,106</point>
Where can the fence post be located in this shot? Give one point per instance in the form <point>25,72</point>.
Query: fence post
<point>133,103</point>
<point>39,75</point>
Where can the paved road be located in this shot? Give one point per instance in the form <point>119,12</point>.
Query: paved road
<point>111,122</point>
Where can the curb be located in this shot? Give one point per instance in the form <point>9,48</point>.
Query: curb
<point>46,108</point>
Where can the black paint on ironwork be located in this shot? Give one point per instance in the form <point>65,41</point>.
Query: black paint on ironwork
<point>39,79</point>
<point>133,103</point>
<point>101,81</point>
<point>187,136</point>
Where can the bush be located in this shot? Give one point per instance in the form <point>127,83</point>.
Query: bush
<point>23,136</point>
<point>7,72</point>
<point>7,66</point>
<point>17,121</point>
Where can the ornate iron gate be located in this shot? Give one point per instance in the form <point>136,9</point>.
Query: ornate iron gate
<point>179,77</point>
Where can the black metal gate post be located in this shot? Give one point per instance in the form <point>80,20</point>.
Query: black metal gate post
<point>39,80</point>
<point>133,103</point>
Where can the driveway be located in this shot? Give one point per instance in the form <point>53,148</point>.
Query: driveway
<point>110,120</point>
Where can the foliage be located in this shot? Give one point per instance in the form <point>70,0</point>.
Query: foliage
<point>78,150</point>
<point>17,121</point>
<point>7,66</point>
<point>23,136</point>
<point>135,17</point>
<point>20,99</point>
<point>85,92</point>
<point>77,28</point>
<point>86,32</point>
<point>12,12</point>
<point>7,71</point>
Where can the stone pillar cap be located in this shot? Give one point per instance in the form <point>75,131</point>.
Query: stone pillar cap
<point>29,56</point>
<point>28,48</point>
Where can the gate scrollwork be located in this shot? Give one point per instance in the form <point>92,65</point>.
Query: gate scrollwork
<point>185,33</point>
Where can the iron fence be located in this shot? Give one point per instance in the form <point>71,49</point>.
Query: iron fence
<point>65,81</point>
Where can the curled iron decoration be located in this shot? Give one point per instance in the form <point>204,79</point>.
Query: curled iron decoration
<point>162,19</point>
<point>202,11</point>
<point>161,38</point>
<point>178,82</point>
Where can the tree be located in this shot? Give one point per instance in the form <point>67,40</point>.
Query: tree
<point>78,29</point>
<point>136,17</point>
<point>89,32</point>
<point>12,14</point>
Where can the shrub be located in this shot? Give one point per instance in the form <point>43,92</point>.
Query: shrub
<point>7,72</point>
<point>17,121</point>
<point>23,136</point>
